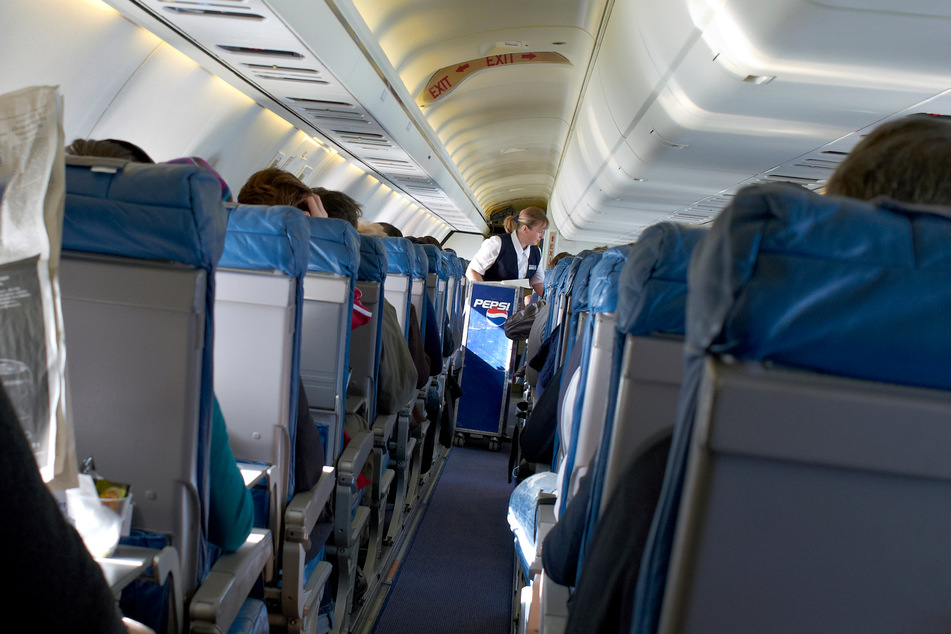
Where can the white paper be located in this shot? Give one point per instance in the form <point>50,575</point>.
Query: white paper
<point>32,360</point>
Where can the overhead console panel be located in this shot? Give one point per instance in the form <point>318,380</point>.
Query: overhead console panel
<point>298,59</point>
<point>691,99</point>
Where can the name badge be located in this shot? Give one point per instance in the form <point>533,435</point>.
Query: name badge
<point>532,267</point>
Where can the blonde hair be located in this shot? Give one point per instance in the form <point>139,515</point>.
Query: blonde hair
<point>371,229</point>
<point>530,216</point>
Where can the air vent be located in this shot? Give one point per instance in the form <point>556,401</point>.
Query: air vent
<point>263,52</point>
<point>320,102</point>
<point>281,69</point>
<point>217,3</point>
<point>356,117</point>
<point>791,179</point>
<point>305,80</point>
<point>213,13</point>
<point>366,139</point>
<point>834,152</point>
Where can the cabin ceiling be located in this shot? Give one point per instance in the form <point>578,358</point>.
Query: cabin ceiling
<point>613,114</point>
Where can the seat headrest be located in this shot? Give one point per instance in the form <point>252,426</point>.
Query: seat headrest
<point>167,212</point>
<point>267,238</point>
<point>400,255</point>
<point>604,280</point>
<point>579,296</point>
<point>653,283</point>
<point>826,283</point>
<point>373,260</point>
<point>334,247</point>
<point>434,261</point>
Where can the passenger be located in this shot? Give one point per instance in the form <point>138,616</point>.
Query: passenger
<point>516,258</point>
<point>397,378</point>
<point>58,587</point>
<point>429,240</point>
<point>108,148</point>
<point>273,186</point>
<point>908,160</point>
<point>200,162</point>
<point>390,230</point>
<point>339,205</point>
<point>371,229</point>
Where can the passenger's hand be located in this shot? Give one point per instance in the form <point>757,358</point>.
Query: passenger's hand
<point>315,208</point>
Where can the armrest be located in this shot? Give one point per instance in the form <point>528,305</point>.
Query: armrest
<point>383,428</point>
<point>305,508</point>
<point>355,402</point>
<point>353,458</point>
<point>224,591</point>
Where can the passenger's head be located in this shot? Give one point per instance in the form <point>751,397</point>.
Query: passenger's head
<point>390,230</point>
<point>109,148</point>
<point>339,205</point>
<point>274,186</point>
<point>370,229</point>
<point>530,225</point>
<point>558,258</point>
<point>429,240</point>
<point>908,159</point>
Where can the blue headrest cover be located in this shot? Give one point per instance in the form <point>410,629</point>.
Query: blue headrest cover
<point>373,261</point>
<point>167,212</point>
<point>334,247</point>
<point>267,238</point>
<point>434,261</point>
<point>421,269</point>
<point>450,263</point>
<point>579,297</point>
<point>400,255</point>
<point>559,273</point>
<point>604,282</point>
<point>832,284</point>
<point>652,290</point>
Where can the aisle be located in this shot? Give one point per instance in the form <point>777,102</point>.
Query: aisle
<point>457,576</point>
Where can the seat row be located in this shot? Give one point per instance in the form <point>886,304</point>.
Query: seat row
<point>172,305</point>
<point>768,455</point>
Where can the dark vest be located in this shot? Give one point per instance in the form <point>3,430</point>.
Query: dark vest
<point>505,266</point>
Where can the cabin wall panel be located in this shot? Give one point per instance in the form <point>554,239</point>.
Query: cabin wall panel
<point>72,45</point>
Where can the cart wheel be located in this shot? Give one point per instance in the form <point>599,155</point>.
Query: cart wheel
<point>459,440</point>
<point>494,444</point>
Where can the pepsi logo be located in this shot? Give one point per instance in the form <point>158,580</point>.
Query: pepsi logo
<point>496,314</point>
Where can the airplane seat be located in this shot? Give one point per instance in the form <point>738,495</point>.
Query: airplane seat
<point>397,289</point>
<point>814,407</point>
<point>648,301</point>
<point>365,351</point>
<point>258,312</point>
<point>401,262</point>
<point>436,289</point>
<point>141,244</point>
<point>333,263</point>
<point>420,431</point>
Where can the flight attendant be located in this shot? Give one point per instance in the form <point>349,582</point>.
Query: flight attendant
<point>514,257</point>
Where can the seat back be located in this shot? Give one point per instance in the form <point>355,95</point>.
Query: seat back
<point>365,348</point>
<point>140,246</point>
<point>401,263</point>
<point>325,325</point>
<point>257,320</point>
<point>420,273</point>
<point>437,280</point>
<point>830,286</point>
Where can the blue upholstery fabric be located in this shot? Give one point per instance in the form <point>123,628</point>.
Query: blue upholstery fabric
<point>604,280</point>
<point>373,260</point>
<point>435,263</point>
<point>579,297</point>
<point>334,247</point>
<point>827,284</point>
<point>167,212</point>
<point>251,618</point>
<point>450,263</point>
<point>653,284</point>
<point>400,255</point>
<point>273,238</point>
<point>267,238</point>
<point>420,266</point>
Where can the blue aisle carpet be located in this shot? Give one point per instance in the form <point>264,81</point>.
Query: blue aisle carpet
<point>457,576</point>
